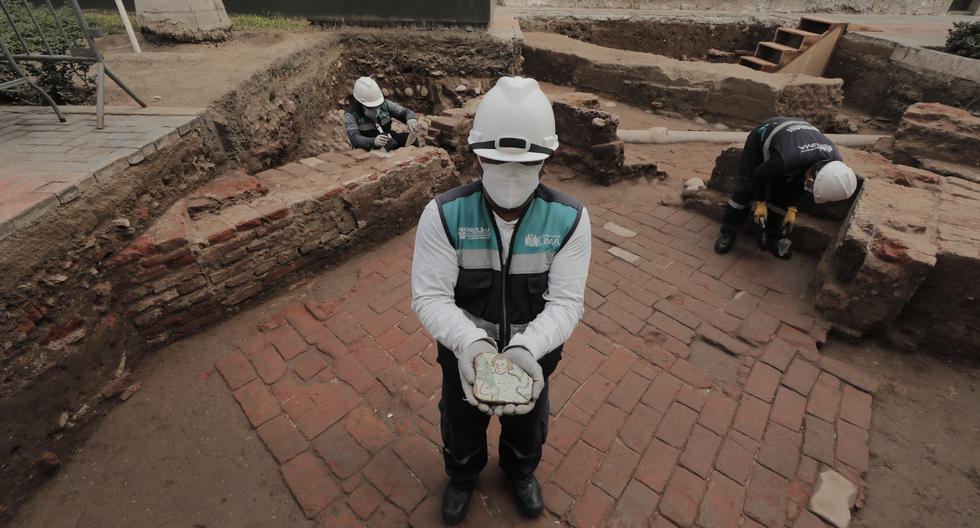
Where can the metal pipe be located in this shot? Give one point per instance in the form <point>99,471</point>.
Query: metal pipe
<point>125,88</point>
<point>13,26</point>
<point>54,58</point>
<point>661,135</point>
<point>57,22</point>
<point>129,27</point>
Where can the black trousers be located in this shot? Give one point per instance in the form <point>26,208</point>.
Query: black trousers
<point>740,206</point>
<point>464,427</point>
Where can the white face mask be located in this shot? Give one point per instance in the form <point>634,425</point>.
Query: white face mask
<point>509,185</point>
<point>372,113</point>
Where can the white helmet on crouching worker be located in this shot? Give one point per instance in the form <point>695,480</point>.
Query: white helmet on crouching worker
<point>368,93</point>
<point>834,182</point>
<point>513,133</point>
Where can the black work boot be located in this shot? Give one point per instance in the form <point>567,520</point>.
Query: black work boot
<point>725,241</point>
<point>456,502</point>
<point>528,494</point>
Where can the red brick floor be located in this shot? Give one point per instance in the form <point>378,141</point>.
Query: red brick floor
<point>644,430</point>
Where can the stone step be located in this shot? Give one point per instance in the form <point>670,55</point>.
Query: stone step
<point>796,38</point>
<point>816,24</point>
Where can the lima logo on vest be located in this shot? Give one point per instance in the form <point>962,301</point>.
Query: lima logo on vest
<point>532,240</point>
<point>473,233</point>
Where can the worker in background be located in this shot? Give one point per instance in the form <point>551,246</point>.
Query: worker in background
<point>783,159</point>
<point>368,119</point>
<point>500,266</point>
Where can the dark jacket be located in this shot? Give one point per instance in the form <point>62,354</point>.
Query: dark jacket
<point>361,131</point>
<point>789,146</point>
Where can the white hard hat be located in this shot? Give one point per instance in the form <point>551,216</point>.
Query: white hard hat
<point>514,122</point>
<point>368,93</point>
<point>834,182</point>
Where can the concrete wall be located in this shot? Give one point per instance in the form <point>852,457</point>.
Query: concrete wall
<point>903,7</point>
<point>883,78</point>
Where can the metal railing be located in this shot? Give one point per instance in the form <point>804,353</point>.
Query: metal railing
<point>65,52</point>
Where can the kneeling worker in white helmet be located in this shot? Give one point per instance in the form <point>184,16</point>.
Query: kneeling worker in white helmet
<point>500,266</point>
<point>783,159</point>
<point>368,119</point>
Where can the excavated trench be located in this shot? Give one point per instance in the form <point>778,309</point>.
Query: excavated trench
<point>285,125</point>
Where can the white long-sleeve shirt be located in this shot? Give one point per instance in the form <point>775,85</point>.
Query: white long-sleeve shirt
<point>435,270</point>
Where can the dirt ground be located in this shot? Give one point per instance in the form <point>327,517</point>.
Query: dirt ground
<point>925,429</point>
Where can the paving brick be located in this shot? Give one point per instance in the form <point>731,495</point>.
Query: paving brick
<point>616,469</point>
<point>592,394</point>
<point>800,376</point>
<point>734,461</point>
<point>852,446</point>
<point>662,391</point>
<point>287,341</point>
<point>692,397</point>
<point>622,317</point>
<point>629,391</point>
<point>368,429</point>
<point>722,504</point>
<point>818,440</point>
<point>702,293</point>
<point>778,354</point>
<point>390,475</point>
<point>780,450</point>
<point>423,458</point>
<point>345,328</point>
<point>692,374</point>
<point>824,401</point>
<point>849,374</point>
<point>657,464</point>
<point>616,363</point>
<point>710,314</point>
<point>309,364</point>
<point>337,399</point>
<point>268,363</point>
<point>674,308</point>
<point>758,328</point>
<point>563,433</point>
<point>302,320</point>
<point>282,438</point>
<point>352,372</point>
<point>235,369</point>
<point>809,520</point>
<point>576,469</point>
<point>676,425</point>
<point>631,305</point>
<point>337,515</point>
<point>766,496</point>
<point>682,497</point>
<point>388,515</point>
<point>328,343</point>
<point>807,470</point>
<point>742,304</point>
<point>788,409</point>
<point>590,509</point>
<point>855,407</point>
<point>365,499</point>
<point>257,403</point>
<point>715,336</point>
<point>555,499</point>
<point>763,381</point>
<point>604,427</point>
<point>310,482</point>
<point>635,507</point>
<point>339,450</point>
<point>639,427</point>
<point>583,365</point>
<point>671,327</point>
<point>718,412</point>
<point>699,455</point>
<point>751,416</point>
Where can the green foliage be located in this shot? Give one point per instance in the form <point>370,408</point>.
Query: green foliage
<point>66,83</point>
<point>109,22</point>
<point>266,23</point>
<point>964,39</point>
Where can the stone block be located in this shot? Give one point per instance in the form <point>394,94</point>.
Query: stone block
<point>833,498</point>
<point>933,131</point>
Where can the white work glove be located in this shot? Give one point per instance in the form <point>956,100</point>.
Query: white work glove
<point>413,125</point>
<point>380,141</point>
<point>467,371</point>
<point>524,359</point>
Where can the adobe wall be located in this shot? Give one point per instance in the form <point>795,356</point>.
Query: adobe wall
<point>896,7</point>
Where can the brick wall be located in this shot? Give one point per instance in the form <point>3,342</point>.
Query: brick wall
<point>236,237</point>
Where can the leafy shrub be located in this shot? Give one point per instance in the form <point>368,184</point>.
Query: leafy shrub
<point>964,39</point>
<point>66,83</point>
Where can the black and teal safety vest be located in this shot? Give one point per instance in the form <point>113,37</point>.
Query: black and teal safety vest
<point>500,296</point>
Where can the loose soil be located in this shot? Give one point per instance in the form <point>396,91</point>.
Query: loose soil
<point>925,429</point>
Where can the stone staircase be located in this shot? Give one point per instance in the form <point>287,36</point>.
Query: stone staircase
<point>803,49</point>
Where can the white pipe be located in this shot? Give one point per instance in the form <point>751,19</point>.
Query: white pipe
<point>660,135</point>
<point>129,27</point>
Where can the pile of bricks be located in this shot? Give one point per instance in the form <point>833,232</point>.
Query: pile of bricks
<point>645,429</point>
<point>240,234</point>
